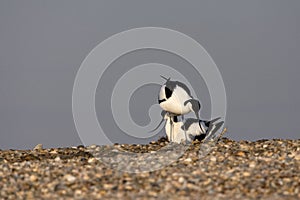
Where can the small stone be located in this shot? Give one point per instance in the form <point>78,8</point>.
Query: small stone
<point>78,193</point>
<point>213,159</point>
<point>128,187</point>
<point>252,164</point>
<point>57,159</point>
<point>192,186</point>
<point>297,157</point>
<point>92,160</point>
<point>38,147</point>
<point>33,178</point>
<point>163,173</point>
<point>69,178</point>
<point>207,182</point>
<point>181,179</point>
<point>54,151</point>
<point>108,186</point>
<point>152,193</point>
<point>246,174</point>
<point>241,153</point>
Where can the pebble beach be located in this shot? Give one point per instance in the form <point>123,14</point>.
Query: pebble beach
<point>264,169</point>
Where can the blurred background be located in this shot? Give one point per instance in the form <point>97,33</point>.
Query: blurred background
<point>255,44</point>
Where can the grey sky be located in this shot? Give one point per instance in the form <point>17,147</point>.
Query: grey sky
<point>255,44</point>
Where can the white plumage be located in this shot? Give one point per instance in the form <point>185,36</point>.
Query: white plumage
<point>191,128</point>
<point>176,100</point>
<point>175,97</point>
<point>175,103</point>
<point>178,135</point>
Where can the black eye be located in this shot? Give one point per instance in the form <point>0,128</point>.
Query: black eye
<point>168,92</point>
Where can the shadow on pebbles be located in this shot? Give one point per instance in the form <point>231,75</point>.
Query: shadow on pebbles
<point>264,169</point>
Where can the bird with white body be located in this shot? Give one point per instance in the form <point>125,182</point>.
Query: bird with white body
<point>179,131</point>
<point>175,97</point>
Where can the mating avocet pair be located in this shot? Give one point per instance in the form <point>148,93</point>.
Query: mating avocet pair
<point>176,100</point>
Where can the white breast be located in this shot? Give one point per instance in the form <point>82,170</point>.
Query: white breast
<point>175,104</point>
<point>179,135</point>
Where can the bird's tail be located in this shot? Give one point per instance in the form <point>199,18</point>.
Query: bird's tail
<point>213,127</point>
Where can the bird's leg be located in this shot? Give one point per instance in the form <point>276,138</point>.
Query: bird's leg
<point>182,117</point>
<point>171,130</point>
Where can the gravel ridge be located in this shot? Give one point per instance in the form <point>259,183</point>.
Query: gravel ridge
<point>264,169</point>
